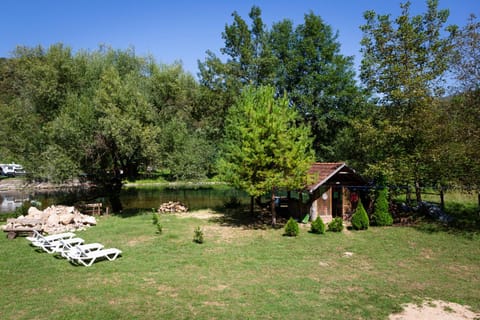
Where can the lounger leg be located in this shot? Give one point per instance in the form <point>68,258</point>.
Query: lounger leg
<point>115,255</point>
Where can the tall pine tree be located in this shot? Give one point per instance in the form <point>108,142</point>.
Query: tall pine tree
<point>264,147</point>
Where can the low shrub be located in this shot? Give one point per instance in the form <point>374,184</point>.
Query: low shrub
<point>336,225</point>
<point>381,216</point>
<point>23,209</point>
<point>291,228</point>
<point>360,219</point>
<point>198,235</point>
<point>318,226</point>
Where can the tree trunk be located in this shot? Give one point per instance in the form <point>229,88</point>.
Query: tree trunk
<point>274,213</point>
<point>442,199</point>
<point>252,203</point>
<point>115,201</point>
<point>408,196</point>
<point>113,190</point>
<point>418,192</point>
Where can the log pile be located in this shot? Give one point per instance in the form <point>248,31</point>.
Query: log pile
<point>172,207</point>
<point>54,219</point>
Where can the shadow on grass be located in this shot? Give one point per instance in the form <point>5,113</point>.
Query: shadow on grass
<point>239,216</point>
<point>243,218</point>
<point>131,212</point>
<point>432,227</point>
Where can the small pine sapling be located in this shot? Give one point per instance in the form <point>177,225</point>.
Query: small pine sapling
<point>360,219</point>
<point>155,218</point>
<point>318,226</point>
<point>159,228</point>
<point>381,216</point>
<point>336,225</point>
<point>198,235</point>
<point>291,228</point>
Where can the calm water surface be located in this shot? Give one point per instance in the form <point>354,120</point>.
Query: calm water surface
<point>144,198</point>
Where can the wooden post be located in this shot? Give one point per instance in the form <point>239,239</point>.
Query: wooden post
<point>408,196</point>
<point>274,212</point>
<point>418,192</point>
<point>442,198</point>
<point>300,203</point>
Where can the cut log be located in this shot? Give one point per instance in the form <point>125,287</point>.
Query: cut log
<point>172,207</point>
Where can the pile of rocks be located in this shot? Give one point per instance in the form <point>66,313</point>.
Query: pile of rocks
<point>172,207</point>
<point>54,219</point>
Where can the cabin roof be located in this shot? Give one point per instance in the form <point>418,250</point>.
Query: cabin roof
<point>324,173</point>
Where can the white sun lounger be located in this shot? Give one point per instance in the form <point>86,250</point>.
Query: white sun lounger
<point>88,258</point>
<point>70,252</point>
<point>39,238</point>
<point>59,245</point>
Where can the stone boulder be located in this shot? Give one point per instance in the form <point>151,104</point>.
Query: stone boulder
<point>54,219</point>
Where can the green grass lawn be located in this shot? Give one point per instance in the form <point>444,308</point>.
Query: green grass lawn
<point>240,272</point>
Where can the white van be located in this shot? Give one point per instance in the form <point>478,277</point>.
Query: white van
<point>11,170</point>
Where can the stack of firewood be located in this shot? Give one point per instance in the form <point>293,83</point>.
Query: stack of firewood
<point>171,207</point>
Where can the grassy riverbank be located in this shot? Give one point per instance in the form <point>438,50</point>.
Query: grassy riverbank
<point>241,271</point>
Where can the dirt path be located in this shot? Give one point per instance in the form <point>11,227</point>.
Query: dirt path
<point>435,309</point>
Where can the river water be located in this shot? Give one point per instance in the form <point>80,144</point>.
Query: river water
<point>140,198</point>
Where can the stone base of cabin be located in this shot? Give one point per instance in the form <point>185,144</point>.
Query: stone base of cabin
<point>326,219</point>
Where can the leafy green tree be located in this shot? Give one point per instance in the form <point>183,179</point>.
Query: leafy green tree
<point>462,112</point>
<point>56,166</point>
<point>403,64</point>
<point>304,63</point>
<point>317,78</point>
<point>249,62</point>
<point>185,154</point>
<point>264,147</point>
<point>467,55</point>
<point>46,77</point>
<point>125,130</point>
<point>20,133</point>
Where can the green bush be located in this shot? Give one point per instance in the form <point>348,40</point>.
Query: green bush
<point>336,225</point>
<point>381,216</point>
<point>159,228</point>
<point>291,228</point>
<point>318,226</point>
<point>155,218</point>
<point>23,209</point>
<point>360,218</point>
<point>198,235</point>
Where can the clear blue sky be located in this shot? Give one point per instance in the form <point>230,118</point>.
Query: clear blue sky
<point>181,29</point>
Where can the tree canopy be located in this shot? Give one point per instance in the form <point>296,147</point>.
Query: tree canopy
<point>403,64</point>
<point>303,63</point>
<point>106,114</point>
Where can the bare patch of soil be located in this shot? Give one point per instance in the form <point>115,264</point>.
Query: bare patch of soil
<point>199,214</point>
<point>436,309</point>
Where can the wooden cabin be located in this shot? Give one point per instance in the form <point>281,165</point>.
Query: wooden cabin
<point>334,192</point>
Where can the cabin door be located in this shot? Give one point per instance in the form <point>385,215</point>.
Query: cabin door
<point>337,203</point>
